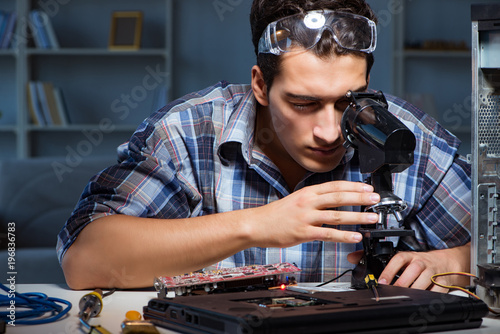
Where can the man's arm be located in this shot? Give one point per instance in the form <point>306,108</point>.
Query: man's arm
<point>125,252</point>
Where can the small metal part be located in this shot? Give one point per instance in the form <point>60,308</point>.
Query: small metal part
<point>375,293</point>
<point>139,327</point>
<point>90,305</point>
<point>387,206</point>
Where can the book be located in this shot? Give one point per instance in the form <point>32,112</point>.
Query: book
<point>9,30</point>
<point>4,18</point>
<point>61,106</point>
<point>34,107</point>
<point>49,30</point>
<point>44,104</point>
<point>42,30</point>
<point>35,30</point>
<point>55,116</point>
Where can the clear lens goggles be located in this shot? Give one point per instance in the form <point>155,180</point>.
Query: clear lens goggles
<point>304,30</point>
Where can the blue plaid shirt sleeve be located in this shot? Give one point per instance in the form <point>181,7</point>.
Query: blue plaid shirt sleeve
<point>148,181</point>
<point>143,185</point>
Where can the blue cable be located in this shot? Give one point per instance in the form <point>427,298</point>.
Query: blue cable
<point>37,305</point>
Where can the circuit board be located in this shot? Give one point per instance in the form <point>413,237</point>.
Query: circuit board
<point>210,279</point>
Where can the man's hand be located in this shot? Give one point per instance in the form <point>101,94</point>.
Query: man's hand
<point>299,217</point>
<point>418,267</point>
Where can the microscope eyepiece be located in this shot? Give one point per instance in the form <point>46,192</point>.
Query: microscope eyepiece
<point>380,138</point>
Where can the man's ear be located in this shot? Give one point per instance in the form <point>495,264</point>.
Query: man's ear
<point>259,87</point>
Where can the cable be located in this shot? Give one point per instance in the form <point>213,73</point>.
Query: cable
<point>37,305</point>
<point>433,280</point>
<point>110,292</point>
<point>334,279</point>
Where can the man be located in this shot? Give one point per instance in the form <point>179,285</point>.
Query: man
<point>238,175</point>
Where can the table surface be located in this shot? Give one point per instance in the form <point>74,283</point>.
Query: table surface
<point>117,304</point>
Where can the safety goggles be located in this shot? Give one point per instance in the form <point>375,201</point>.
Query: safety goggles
<point>304,30</point>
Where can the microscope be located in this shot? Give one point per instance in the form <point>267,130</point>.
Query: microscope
<point>385,146</point>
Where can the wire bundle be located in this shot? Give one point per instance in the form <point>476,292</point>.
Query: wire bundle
<point>32,307</point>
<point>453,287</point>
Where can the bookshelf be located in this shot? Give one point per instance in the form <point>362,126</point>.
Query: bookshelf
<point>106,93</point>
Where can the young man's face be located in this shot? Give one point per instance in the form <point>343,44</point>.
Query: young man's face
<point>305,106</point>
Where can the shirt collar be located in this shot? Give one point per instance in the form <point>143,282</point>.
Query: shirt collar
<point>240,127</point>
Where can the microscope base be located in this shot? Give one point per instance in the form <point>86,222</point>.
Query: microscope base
<point>377,253</point>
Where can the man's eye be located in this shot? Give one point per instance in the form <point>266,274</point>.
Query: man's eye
<point>303,106</point>
<point>341,105</point>
<point>300,106</point>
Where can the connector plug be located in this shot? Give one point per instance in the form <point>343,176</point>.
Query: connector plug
<point>90,305</point>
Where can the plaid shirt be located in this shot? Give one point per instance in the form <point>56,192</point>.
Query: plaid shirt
<point>195,157</point>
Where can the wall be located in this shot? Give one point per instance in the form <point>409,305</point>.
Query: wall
<point>212,42</point>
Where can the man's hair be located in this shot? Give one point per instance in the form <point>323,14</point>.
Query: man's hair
<point>264,12</point>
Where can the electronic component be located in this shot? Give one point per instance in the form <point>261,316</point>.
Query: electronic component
<point>90,305</point>
<point>282,302</point>
<point>485,157</point>
<point>226,279</point>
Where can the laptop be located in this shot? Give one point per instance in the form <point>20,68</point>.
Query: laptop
<point>398,310</point>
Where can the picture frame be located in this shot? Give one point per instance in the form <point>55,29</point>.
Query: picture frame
<point>126,30</point>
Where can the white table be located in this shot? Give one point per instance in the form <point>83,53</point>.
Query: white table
<point>112,314</point>
<point>117,304</point>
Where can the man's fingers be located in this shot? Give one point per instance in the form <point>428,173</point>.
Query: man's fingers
<point>334,235</point>
<point>424,281</point>
<point>343,186</point>
<point>411,274</point>
<point>415,275</point>
<point>338,199</point>
<point>398,261</point>
<point>337,217</point>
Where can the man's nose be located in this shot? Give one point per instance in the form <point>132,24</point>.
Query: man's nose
<point>327,127</point>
